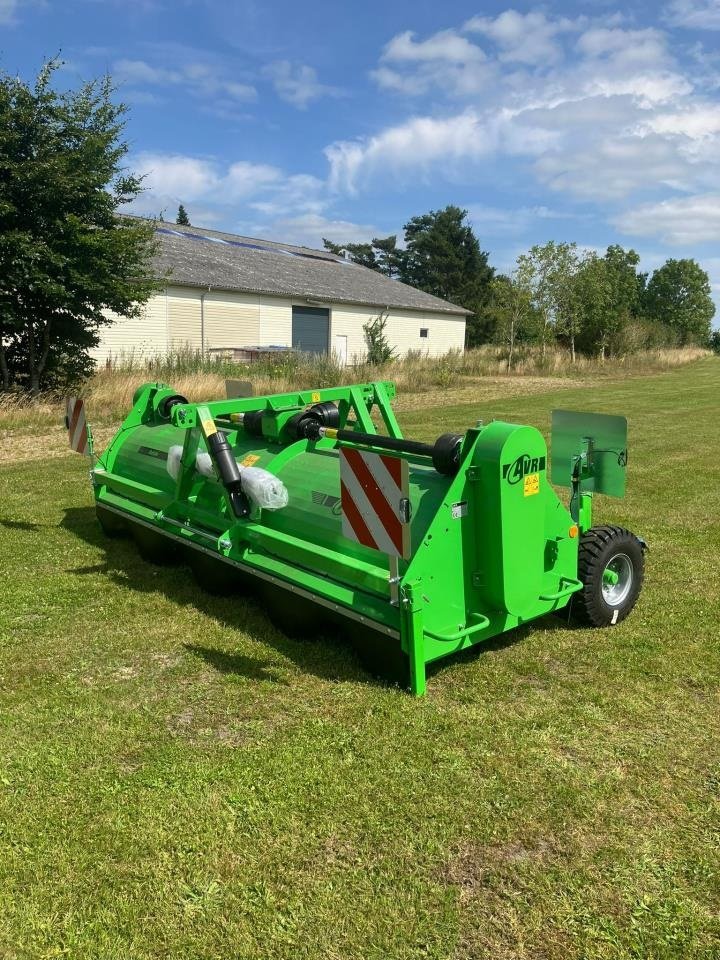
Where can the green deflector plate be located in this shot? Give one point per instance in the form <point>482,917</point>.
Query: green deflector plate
<point>608,450</point>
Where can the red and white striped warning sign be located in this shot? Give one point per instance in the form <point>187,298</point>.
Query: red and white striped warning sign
<point>373,487</point>
<point>77,425</point>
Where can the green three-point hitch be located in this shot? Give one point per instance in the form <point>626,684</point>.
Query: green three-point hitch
<point>412,551</point>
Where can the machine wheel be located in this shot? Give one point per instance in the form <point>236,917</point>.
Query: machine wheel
<point>153,547</point>
<point>611,566</point>
<point>213,576</point>
<point>295,616</point>
<point>112,525</point>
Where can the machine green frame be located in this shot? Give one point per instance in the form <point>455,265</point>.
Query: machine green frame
<point>493,546</point>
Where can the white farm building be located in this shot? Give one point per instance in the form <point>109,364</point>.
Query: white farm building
<point>223,293</point>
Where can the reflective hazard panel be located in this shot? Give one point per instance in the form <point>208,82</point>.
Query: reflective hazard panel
<point>374,498</point>
<point>77,428</point>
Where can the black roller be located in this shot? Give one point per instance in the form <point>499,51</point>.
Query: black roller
<point>252,422</point>
<point>446,453</point>
<point>306,423</point>
<point>328,413</point>
<point>303,425</point>
<point>165,406</point>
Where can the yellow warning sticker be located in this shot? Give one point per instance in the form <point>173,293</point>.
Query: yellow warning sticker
<point>249,460</point>
<point>531,484</point>
<point>209,427</point>
<point>315,397</point>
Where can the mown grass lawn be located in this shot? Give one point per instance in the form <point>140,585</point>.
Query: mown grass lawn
<point>178,779</point>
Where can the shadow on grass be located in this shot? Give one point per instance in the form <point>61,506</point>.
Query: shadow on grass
<point>20,525</point>
<point>333,653</point>
<point>325,656</point>
<point>236,664</point>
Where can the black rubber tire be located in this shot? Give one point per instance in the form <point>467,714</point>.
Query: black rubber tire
<point>296,617</point>
<point>213,576</point>
<point>598,547</point>
<point>111,524</point>
<point>156,548</point>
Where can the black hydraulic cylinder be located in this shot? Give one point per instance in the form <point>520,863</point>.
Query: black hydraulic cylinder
<point>221,452</point>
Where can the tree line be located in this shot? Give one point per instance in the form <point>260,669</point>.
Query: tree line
<point>590,302</point>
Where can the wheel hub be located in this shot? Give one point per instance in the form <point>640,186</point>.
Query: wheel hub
<point>617,579</point>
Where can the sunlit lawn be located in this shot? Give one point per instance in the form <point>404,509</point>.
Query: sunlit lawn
<point>178,779</point>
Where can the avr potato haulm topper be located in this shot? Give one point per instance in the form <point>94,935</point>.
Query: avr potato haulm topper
<point>412,550</point>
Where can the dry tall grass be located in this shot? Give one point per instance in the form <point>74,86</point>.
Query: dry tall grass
<point>110,391</point>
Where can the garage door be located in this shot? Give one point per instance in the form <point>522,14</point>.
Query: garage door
<point>311,329</point>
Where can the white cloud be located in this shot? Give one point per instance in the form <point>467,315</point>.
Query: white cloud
<point>529,38</point>
<point>500,221</point>
<point>683,221</point>
<point>309,229</point>
<point>244,179</point>
<point>298,83</point>
<point>423,141</point>
<point>204,80</point>
<point>294,208</point>
<point>176,176</point>
<point>607,110</point>
<point>698,121</point>
<point>447,45</point>
<point>9,10</point>
<point>694,14</point>
<point>411,144</point>
<point>624,47</point>
<point>446,60</point>
<point>611,169</point>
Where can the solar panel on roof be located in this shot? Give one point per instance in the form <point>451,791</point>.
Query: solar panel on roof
<point>250,246</point>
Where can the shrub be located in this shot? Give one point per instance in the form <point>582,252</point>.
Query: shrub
<point>379,350</point>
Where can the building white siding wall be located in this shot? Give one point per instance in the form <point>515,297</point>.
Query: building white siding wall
<point>144,335</point>
<point>183,309</point>
<point>445,331</point>
<point>231,320</point>
<point>275,322</point>
<point>171,320</point>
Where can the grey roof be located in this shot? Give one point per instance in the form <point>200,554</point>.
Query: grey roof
<point>194,256</point>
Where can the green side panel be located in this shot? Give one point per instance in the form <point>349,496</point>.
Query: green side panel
<point>142,455</point>
<point>512,463</point>
<point>607,450</point>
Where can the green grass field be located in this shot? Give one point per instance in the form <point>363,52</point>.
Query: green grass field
<point>178,779</point>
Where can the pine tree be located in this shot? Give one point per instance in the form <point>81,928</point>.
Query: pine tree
<point>182,217</point>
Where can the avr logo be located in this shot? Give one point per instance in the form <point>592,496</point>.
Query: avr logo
<point>514,472</point>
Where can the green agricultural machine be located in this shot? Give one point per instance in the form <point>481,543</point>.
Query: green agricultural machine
<point>413,551</point>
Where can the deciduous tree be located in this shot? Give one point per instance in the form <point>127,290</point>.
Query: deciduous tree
<point>512,312</point>
<point>65,255</point>
<point>548,270</point>
<point>678,295</point>
<point>607,291</point>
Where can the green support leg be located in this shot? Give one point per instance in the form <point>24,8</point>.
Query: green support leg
<point>413,629</point>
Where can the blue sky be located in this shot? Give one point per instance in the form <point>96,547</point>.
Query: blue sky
<point>595,121</point>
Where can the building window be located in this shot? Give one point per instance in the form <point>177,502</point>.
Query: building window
<point>424,332</point>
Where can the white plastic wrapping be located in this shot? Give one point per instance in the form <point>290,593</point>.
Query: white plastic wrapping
<point>204,464</point>
<point>263,488</point>
<point>173,461</point>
